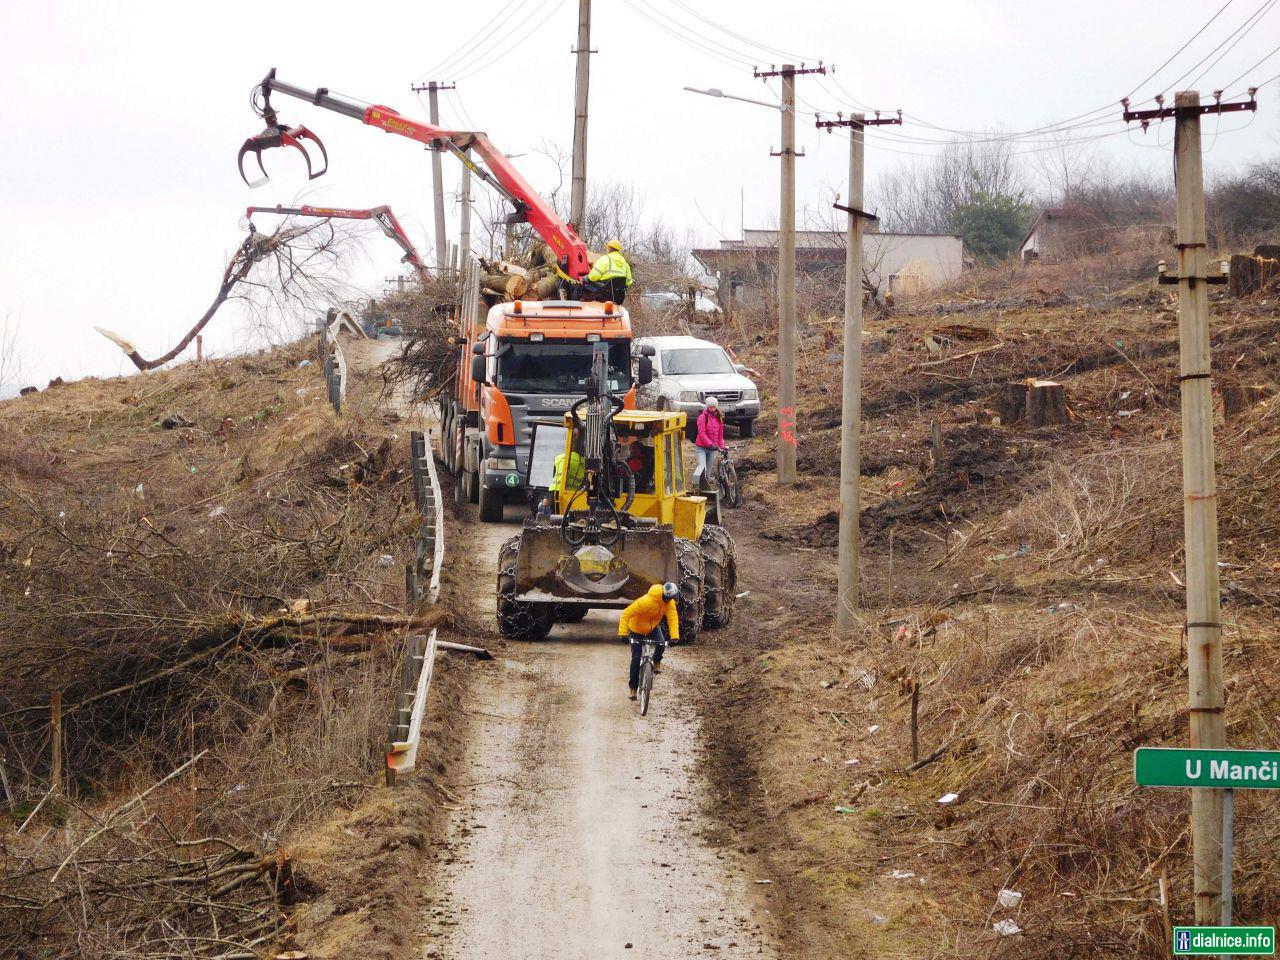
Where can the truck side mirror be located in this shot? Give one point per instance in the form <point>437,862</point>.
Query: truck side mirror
<point>647,350</point>
<point>478,348</point>
<point>741,368</point>
<point>645,370</point>
<point>477,368</point>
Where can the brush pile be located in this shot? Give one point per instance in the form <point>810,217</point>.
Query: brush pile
<point>205,569</point>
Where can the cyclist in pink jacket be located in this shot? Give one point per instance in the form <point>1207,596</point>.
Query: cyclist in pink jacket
<point>710,441</point>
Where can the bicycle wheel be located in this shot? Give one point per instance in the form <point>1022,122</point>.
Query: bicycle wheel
<point>730,473</point>
<point>646,685</point>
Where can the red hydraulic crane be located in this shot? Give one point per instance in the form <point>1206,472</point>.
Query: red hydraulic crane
<point>501,175</point>
<point>382,216</point>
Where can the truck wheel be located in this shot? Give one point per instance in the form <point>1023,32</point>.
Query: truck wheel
<point>746,428</point>
<point>471,484</point>
<point>720,576</point>
<point>689,604</point>
<point>518,620</point>
<point>490,504</point>
<point>446,437</point>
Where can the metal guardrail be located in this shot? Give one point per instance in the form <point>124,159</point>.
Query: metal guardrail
<point>331,356</point>
<point>422,582</point>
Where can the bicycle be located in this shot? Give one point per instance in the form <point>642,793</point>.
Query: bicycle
<point>726,481</point>
<point>649,648</point>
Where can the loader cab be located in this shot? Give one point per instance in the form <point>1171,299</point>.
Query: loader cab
<point>657,439</point>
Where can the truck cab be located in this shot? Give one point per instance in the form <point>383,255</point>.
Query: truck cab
<point>528,365</point>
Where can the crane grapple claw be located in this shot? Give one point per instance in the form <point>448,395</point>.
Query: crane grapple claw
<point>280,136</point>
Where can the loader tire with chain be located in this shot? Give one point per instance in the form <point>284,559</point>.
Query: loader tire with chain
<point>689,604</point>
<point>518,620</point>
<point>720,576</point>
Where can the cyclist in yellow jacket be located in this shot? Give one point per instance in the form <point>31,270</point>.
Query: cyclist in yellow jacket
<point>610,276</point>
<point>642,620</point>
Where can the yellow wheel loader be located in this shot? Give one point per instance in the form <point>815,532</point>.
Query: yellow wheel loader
<point>614,518</point>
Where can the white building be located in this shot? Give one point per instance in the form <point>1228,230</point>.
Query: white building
<point>897,263</point>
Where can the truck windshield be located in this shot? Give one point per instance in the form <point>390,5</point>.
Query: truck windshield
<point>553,367</point>
<point>678,363</point>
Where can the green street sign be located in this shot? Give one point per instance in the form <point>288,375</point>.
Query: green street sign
<point>1224,941</point>
<point>1233,769</point>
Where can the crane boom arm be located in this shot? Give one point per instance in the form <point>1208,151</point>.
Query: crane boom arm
<point>501,174</point>
<point>381,215</point>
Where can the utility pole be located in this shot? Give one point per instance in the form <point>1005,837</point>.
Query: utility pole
<point>787,271</point>
<point>399,282</point>
<point>464,219</point>
<point>1199,508</point>
<point>437,174</point>
<point>582,80</point>
<point>849,543</point>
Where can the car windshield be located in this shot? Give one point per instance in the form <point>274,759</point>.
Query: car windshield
<point>694,360</point>
<point>552,367</point>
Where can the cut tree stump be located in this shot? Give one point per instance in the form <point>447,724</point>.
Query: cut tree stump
<point>1237,399</point>
<point>1046,403</point>
<point>1040,403</point>
<point>1251,275</point>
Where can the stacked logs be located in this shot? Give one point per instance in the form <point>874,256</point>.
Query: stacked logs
<point>531,277</point>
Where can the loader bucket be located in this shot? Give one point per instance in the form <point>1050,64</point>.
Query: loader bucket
<point>550,570</point>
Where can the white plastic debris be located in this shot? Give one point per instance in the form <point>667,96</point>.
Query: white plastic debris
<point>386,560</point>
<point>742,594</point>
<point>1008,898</point>
<point>217,511</point>
<point>902,875</point>
<point>850,763</point>
<point>138,490</point>
<point>948,798</point>
<point>879,920</point>
<point>873,728</point>
<point>762,882</point>
<point>1006,928</point>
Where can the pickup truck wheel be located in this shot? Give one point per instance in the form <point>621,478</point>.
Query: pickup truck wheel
<point>746,428</point>
<point>490,504</point>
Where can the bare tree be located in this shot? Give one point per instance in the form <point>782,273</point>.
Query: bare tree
<point>11,364</point>
<point>291,271</point>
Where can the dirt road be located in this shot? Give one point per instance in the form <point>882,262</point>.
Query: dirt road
<point>582,827</point>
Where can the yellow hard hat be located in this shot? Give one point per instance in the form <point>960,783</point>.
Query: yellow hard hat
<point>613,245</point>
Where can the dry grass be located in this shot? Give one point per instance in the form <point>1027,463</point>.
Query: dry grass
<point>219,589</point>
<point>1032,601</point>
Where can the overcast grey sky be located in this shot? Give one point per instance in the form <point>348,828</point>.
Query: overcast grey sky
<point>119,198</point>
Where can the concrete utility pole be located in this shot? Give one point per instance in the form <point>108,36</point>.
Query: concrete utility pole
<point>437,174</point>
<point>464,224</point>
<point>787,271</point>
<point>1200,508</point>
<point>849,543</point>
<point>582,80</point>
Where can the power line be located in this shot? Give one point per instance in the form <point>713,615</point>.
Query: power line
<point>1251,69</point>
<point>1157,70</point>
<point>788,55</point>
<point>1248,25</point>
<point>496,20</point>
<point>495,56</point>
<point>736,62</point>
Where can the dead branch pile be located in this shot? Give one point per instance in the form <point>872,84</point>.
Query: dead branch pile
<point>205,563</point>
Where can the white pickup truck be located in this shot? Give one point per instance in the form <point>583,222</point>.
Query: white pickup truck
<point>687,370</point>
